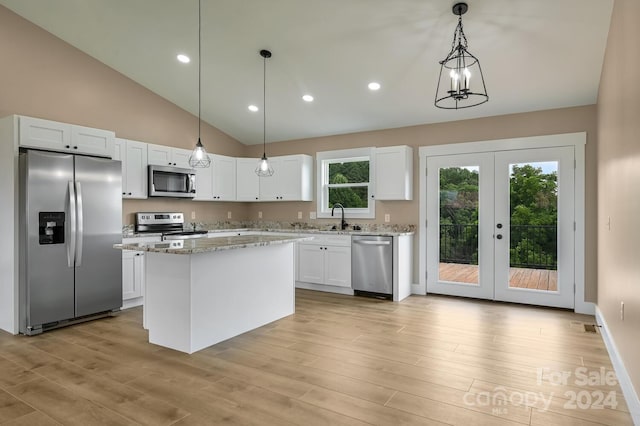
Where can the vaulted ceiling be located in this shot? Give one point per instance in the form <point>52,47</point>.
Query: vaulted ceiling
<point>535,54</point>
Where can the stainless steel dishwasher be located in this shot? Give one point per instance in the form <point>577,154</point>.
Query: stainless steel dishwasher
<point>372,265</point>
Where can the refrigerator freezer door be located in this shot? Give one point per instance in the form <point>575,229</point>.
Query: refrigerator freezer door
<point>46,279</point>
<point>98,264</point>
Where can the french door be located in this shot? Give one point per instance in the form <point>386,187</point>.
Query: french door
<point>500,225</point>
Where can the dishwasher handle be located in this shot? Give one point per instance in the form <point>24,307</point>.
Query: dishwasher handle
<point>372,243</point>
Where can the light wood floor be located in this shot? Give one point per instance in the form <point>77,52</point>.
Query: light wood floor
<point>339,360</point>
<point>537,279</point>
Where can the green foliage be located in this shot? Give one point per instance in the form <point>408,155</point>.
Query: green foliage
<point>345,173</point>
<point>534,211</point>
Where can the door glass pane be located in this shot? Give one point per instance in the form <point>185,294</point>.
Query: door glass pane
<point>533,199</point>
<point>459,224</point>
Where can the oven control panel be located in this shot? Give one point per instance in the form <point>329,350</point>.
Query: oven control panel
<point>147,218</point>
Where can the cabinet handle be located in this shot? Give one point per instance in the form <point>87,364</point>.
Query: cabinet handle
<point>124,193</point>
<point>372,196</point>
<point>130,193</point>
<point>75,147</point>
<point>67,146</point>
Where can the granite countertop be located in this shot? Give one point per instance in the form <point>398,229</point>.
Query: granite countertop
<point>211,244</point>
<point>290,227</point>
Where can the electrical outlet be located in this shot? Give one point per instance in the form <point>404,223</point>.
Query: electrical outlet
<point>621,311</point>
<point>259,215</point>
<point>299,215</point>
<point>312,215</point>
<point>228,215</point>
<point>193,215</point>
<point>387,217</point>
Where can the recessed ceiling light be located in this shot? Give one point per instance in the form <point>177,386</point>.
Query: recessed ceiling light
<point>374,86</point>
<point>183,58</point>
<point>307,98</point>
<point>253,108</point>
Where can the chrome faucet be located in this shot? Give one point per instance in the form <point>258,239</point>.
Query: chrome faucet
<point>343,223</point>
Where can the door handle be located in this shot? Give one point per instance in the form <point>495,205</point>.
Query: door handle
<point>71,242</point>
<point>80,234</point>
<point>373,243</point>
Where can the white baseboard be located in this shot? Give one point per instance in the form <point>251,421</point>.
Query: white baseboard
<point>586,308</point>
<point>132,303</point>
<point>326,288</point>
<point>628,391</point>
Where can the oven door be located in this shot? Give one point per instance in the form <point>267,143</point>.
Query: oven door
<point>171,182</point>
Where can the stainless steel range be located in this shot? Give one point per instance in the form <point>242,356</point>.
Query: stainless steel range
<point>170,225</point>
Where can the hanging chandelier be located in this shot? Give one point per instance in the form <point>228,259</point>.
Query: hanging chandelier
<point>458,71</point>
<point>264,169</point>
<point>199,156</point>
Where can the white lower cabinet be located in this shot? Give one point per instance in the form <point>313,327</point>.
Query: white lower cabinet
<point>325,261</point>
<point>132,278</point>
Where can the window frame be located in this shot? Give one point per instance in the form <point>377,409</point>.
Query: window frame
<point>323,159</point>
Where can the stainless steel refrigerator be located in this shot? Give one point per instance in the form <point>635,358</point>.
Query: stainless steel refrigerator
<point>70,218</point>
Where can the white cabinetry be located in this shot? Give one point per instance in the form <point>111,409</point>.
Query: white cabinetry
<point>218,181</point>
<point>160,155</point>
<point>325,261</point>
<point>394,173</point>
<point>291,181</point>
<point>247,181</point>
<point>133,155</point>
<point>54,136</point>
<point>132,276</point>
<point>224,178</point>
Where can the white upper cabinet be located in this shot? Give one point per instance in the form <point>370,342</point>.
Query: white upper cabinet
<point>204,182</point>
<point>160,155</point>
<point>54,136</point>
<point>133,155</point>
<point>291,181</point>
<point>247,181</point>
<point>224,177</point>
<point>218,181</point>
<point>393,173</point>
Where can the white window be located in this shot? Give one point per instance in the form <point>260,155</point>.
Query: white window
<point>345,177</point>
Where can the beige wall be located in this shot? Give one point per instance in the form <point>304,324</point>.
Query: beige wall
<point>47,78</point>
<point>619,185</point>
<point>42,76</point>
<point>568,120</point>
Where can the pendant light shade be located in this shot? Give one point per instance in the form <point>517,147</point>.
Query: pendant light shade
<point>264,169</point>
<point>199,156</point>
<point>461,83</point>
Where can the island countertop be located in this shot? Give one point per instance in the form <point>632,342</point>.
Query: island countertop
<point>210,244</point>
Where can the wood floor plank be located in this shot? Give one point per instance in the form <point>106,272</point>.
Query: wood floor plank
<point>65,406</point>
<point>338,360</point>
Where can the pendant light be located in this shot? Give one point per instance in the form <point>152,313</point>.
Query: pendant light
<point>264,169</point>
<point>199,157</point>
<point>458,70</point>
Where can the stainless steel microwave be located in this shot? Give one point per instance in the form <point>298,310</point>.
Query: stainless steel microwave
<point>167,181</point>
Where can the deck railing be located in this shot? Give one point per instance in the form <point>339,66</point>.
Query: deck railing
<point>531,246</point>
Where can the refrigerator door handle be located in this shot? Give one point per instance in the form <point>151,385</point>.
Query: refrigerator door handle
<point>71,240</point>
<point>80,225</point>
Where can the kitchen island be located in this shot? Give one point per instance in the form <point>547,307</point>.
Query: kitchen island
<point>206,290</point>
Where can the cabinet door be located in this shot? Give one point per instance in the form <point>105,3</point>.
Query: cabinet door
<point>311,263</point>
<point>337,266</point>
<point>120,154</point>
<point>135,175</point>
<point>87,140</point>
<point>132,274</point>
<point>204,183</point>
<point>394,173</point>
<point>45,134</point>
<point>180,157</point>
<point>159,155</point>
<point>270,187</point>
<point>224,177</point>
<point>292,175</point>
<point>247,181</point>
